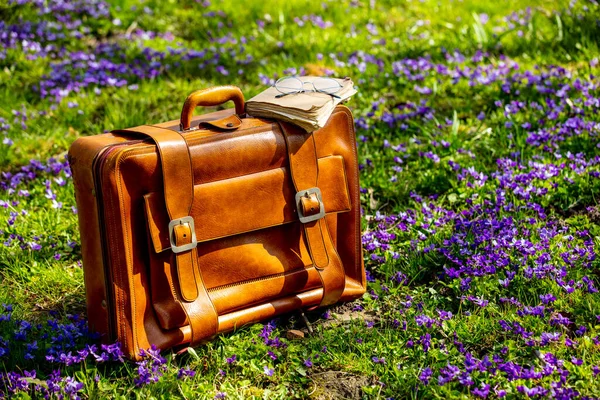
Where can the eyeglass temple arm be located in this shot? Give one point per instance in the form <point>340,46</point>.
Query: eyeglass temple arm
<point>319,91</point>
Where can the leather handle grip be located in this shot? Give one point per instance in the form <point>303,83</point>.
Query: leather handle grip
<point>211,97</point>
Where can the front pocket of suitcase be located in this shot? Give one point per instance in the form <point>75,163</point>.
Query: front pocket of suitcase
<point>238,272</point>
<point>256,267</point>
<point>244,258</point>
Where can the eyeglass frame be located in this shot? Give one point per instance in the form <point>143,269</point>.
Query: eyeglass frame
<point>314,89</point>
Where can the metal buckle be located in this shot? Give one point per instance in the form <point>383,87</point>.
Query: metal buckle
<point>182,221</point>
<point>307,193</point>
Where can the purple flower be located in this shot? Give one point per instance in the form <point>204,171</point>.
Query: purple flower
<point>425,342</point>
<point>547,298</point>
<point>185,373</point>
<point>151,368</point>
<point>558,319</point>
<point>72,386</point>
<point>222,70</point>
<point>448,374</point>
<point>424,320</point>
<point>378,360</point>
<point>268,371</point>
<point>231,360</point>
<point>482,391</point>
<point>581,331</point>
<point>444,315</point>
<point>569,342</point>
<point>266,336</point>
<point>532,392</point>
<point>576,361</point>
<point>425,376</point>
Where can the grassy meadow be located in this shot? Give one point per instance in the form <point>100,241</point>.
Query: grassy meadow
<point>479,144</point>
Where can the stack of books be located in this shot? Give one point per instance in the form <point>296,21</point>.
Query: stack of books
<point>309,109</point>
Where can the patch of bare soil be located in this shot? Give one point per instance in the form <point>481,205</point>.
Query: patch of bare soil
<point>345,313</point>
<point>594,215</point>
<point>334,385</point>
<point>592,212</point>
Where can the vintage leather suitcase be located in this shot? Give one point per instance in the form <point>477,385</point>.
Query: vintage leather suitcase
<point>194,227</point>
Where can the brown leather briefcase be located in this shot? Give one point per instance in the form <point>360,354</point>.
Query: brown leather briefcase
<point>195,227</point>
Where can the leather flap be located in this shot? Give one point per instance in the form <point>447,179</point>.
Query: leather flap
<point>246,203</point>
<point>229,123</point>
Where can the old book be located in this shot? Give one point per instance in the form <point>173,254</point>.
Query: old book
<point>310,110</point>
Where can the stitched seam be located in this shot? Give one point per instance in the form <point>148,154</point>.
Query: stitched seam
<point>148,215</point>
<point>259,229</point>
<point>196,137</point>
<point>352,135</point>
<point>349,208</point>
<point>321,278</point>
<point>339,260</point>
<point>129,262</point>
<point>177,262</point>
<point>346,189</point>
<point>252,173</point>
<point>310,247</point>
<point>172,284</point>
<point>106,290</point>
<point>254,280</point>
<point>117,295</point>
<point>149,146</point>
<point>151,256</point>
<point>314,148</point>
<point>130,272</point>
<point>216,314</point>
<point>303,230</point>
<point>122,330</point>
<point>131,153</point>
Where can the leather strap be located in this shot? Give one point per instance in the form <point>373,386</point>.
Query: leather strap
<point>178,185</point>
<point>304,169</point>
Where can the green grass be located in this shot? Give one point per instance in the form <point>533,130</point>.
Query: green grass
<point>40,286</point>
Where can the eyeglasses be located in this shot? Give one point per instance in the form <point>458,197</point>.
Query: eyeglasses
<point>292,85</point>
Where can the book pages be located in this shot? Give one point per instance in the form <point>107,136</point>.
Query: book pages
<point>310,110</point>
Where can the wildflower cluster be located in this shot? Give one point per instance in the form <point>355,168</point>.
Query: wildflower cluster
<point>478,137</point>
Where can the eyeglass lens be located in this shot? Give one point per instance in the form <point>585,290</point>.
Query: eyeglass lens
<point>290,85</point>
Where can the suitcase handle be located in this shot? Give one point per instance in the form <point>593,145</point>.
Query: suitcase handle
<point>211,97</point>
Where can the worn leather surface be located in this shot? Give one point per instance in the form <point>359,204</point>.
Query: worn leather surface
<point>254,259</point>
<point>304,169</point>
<point>178,192</point>
<point>247,197</point>
<point>229,123</point>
